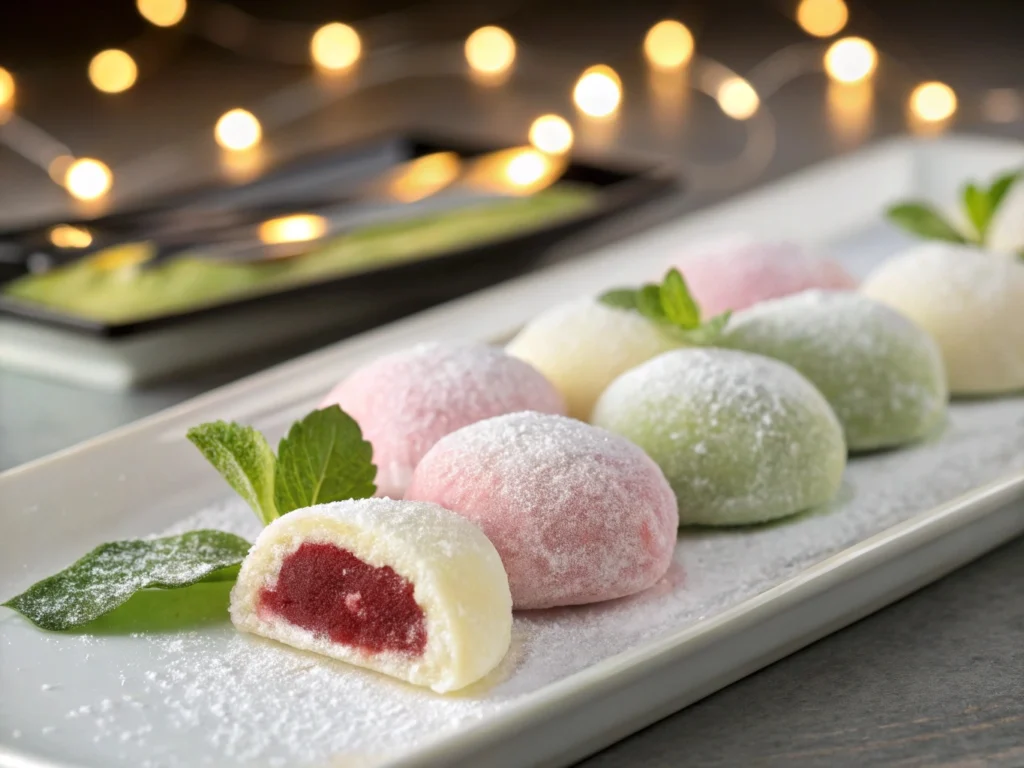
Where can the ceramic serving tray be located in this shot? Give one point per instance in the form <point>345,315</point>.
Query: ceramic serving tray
<point>177,686</point>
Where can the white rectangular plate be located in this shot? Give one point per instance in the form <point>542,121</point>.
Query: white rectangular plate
<point>576,679</point>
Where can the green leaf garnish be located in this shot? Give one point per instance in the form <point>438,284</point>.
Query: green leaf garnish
<point>109,575</point>
<point>679,306</point>
<point>980,206</point>
<point>244,459</point>
<point>623,298</point>
<point>324,458</point>
<point>670,305</point>
<point>977,205</point>
<point>922,219</point>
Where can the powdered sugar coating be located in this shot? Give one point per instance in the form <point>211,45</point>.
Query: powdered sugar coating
<point>882,375</point>
<point>406,401</point>
<point>457,576</point>
<point>739,273</point>
<point>577,514</point>
<point>740,437</point>
<point>970,301</point>
<point>581,346</point>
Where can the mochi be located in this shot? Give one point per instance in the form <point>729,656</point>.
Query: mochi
<point>578,515</point>
<point>406,401</point>
<point>971,302</point>
<point>882,375</point>
<point>741,438</point>
<point>581,346</point>
<point>739,273</point>
<point>408,589</point>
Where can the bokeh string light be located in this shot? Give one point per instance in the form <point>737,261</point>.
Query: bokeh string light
<point>851,60</point>
<point>113,71</point>
<point>237,130</point>
<point>551,134</point>
<point>822,18</point>
<point>88,179</point>
<point>737,98</point>
<point>933,102</point>
<point>162,13</point>
<point>335,46</point>
<point>491,53</point>
<point>668,45</point>
<point>598,92</point>
<point>7,88</point>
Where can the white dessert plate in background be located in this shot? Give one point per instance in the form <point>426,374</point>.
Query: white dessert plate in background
<point>576,679</point>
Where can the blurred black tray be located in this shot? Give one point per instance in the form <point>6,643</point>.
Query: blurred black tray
<point>437,278</point>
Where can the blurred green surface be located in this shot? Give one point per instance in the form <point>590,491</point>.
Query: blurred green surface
<point>115,285</point>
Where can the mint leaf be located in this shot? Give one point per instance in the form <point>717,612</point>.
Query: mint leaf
<point>623,298</point>
<point>323,458</point>
<point>648,302</point>
<point>109,575</point>
<point>678,305</point>
<point>1001,187</point>
<point>921,219</point>
<point>244,459</point>
<point>979,209</point>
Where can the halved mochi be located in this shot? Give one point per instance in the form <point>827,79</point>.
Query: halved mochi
<point>406,588</point>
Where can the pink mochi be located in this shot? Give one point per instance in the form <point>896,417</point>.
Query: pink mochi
<point>577,514</point>
<point>739,273</point>
<point>406,401</point>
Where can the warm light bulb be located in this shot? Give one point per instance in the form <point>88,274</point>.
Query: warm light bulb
<point>933,102</point>
<point>6,87</point>
<point>851,60</point>
<point>490,50</point>
<point>737,98</point>
<point>113,71</point>
<point>526,168</point>
<point>822,18</point>
<point>66,236</point>
<point>668,45</point>
<point>87,179</point>
<point>296,228</point>
<point>335,46</point>
<point>238,129</point>
<point>598,92</point>
<point>162,13</point>
<point>424,176</point>
<point>551,134</point>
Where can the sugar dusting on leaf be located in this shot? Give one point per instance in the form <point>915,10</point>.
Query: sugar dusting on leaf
<point>244,459</point>
<point>324,458</point>
<point>110,574</point>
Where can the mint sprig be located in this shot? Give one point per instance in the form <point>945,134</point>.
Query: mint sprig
<point>980,206</point>
<point>244,458</point>
<point>109,575</point>
<point>671,305</point>
<point>324,458</point>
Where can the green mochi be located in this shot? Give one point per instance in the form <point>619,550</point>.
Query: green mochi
<point>741,438</point>
<point>882,375</point>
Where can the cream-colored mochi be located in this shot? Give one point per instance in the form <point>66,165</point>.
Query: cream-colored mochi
<point>583,345</point>
<point>296,588</point>
<point>971,302</point>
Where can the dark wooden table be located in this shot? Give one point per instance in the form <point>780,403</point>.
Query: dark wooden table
<point>937,679</point>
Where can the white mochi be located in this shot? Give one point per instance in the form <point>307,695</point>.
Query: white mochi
<point>458,579</point>
<point>583,345</point>
<point>971,302</point>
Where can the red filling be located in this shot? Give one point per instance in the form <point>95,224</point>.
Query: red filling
<point>330,591</point>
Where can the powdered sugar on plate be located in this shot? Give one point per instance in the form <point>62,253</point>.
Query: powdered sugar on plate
<point>211,696</point>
